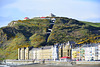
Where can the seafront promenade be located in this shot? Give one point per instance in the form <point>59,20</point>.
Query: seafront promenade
<point>50,62</point>
<point>25,62</point>
<point>45,65</point>
<point>52,65</point>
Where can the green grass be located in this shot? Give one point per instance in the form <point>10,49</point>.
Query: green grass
<point>92,24</point>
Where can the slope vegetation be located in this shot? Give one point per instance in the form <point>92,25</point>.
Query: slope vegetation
<point>33,32</point>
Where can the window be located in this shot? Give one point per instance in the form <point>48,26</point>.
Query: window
<point>68,52</point>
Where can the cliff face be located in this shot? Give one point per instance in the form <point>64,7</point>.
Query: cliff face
<point>36,32</point>
<point>13,23</point>
<point>3,37</point>
<point>6,33</point>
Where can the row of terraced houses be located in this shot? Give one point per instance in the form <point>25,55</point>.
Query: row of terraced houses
<point>62,51</point>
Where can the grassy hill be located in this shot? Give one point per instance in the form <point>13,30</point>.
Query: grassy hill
<point>33,32</point>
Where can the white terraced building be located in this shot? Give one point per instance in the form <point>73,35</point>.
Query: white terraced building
<point>87,52</point>
<point>92,52</point>
<point>98,52</point>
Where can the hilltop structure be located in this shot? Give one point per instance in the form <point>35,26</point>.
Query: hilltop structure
<point>52,15</point>
<point>48,17</point>
<point>26,18</point>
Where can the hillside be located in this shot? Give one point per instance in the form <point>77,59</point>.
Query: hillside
<point>34,32</point>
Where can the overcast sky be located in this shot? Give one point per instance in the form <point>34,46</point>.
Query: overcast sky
<point>85,10</point>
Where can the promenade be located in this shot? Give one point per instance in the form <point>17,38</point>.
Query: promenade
<point>50,63</point>
<point>46,65</point>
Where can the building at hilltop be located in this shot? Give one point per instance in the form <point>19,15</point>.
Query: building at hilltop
<point>26,18</point>
<point>49,17</point>
<point>52,15</point>
<point>48,52</point>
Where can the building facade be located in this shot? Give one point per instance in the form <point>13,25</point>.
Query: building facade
<point>98,52</point>
<point>48,52</point>
<point>75,54</point>
<point>87,52</point>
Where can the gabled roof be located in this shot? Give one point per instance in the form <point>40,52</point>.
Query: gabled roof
<point>42,17</point>
<point>26,18</point>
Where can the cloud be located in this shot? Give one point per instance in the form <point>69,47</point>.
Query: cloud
<point>78,9</point>
<point>6,2</point>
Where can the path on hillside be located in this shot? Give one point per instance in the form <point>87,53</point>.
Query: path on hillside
<point>50,28</point>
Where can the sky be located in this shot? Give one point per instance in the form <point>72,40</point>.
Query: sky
<point>84,10</point>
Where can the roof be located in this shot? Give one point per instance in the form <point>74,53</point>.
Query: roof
<point>30,48</point>
<point>26,18</point>
<point>52,15</point>
<point>47,47</point>
<point>42,17</point>
<point>65,57</point>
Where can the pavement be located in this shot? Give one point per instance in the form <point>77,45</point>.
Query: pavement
<point>47,65</point>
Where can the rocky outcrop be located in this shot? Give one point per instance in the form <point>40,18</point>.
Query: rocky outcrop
<point>12,23</point>
<point>3,37</point>
<point>6,33</point>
